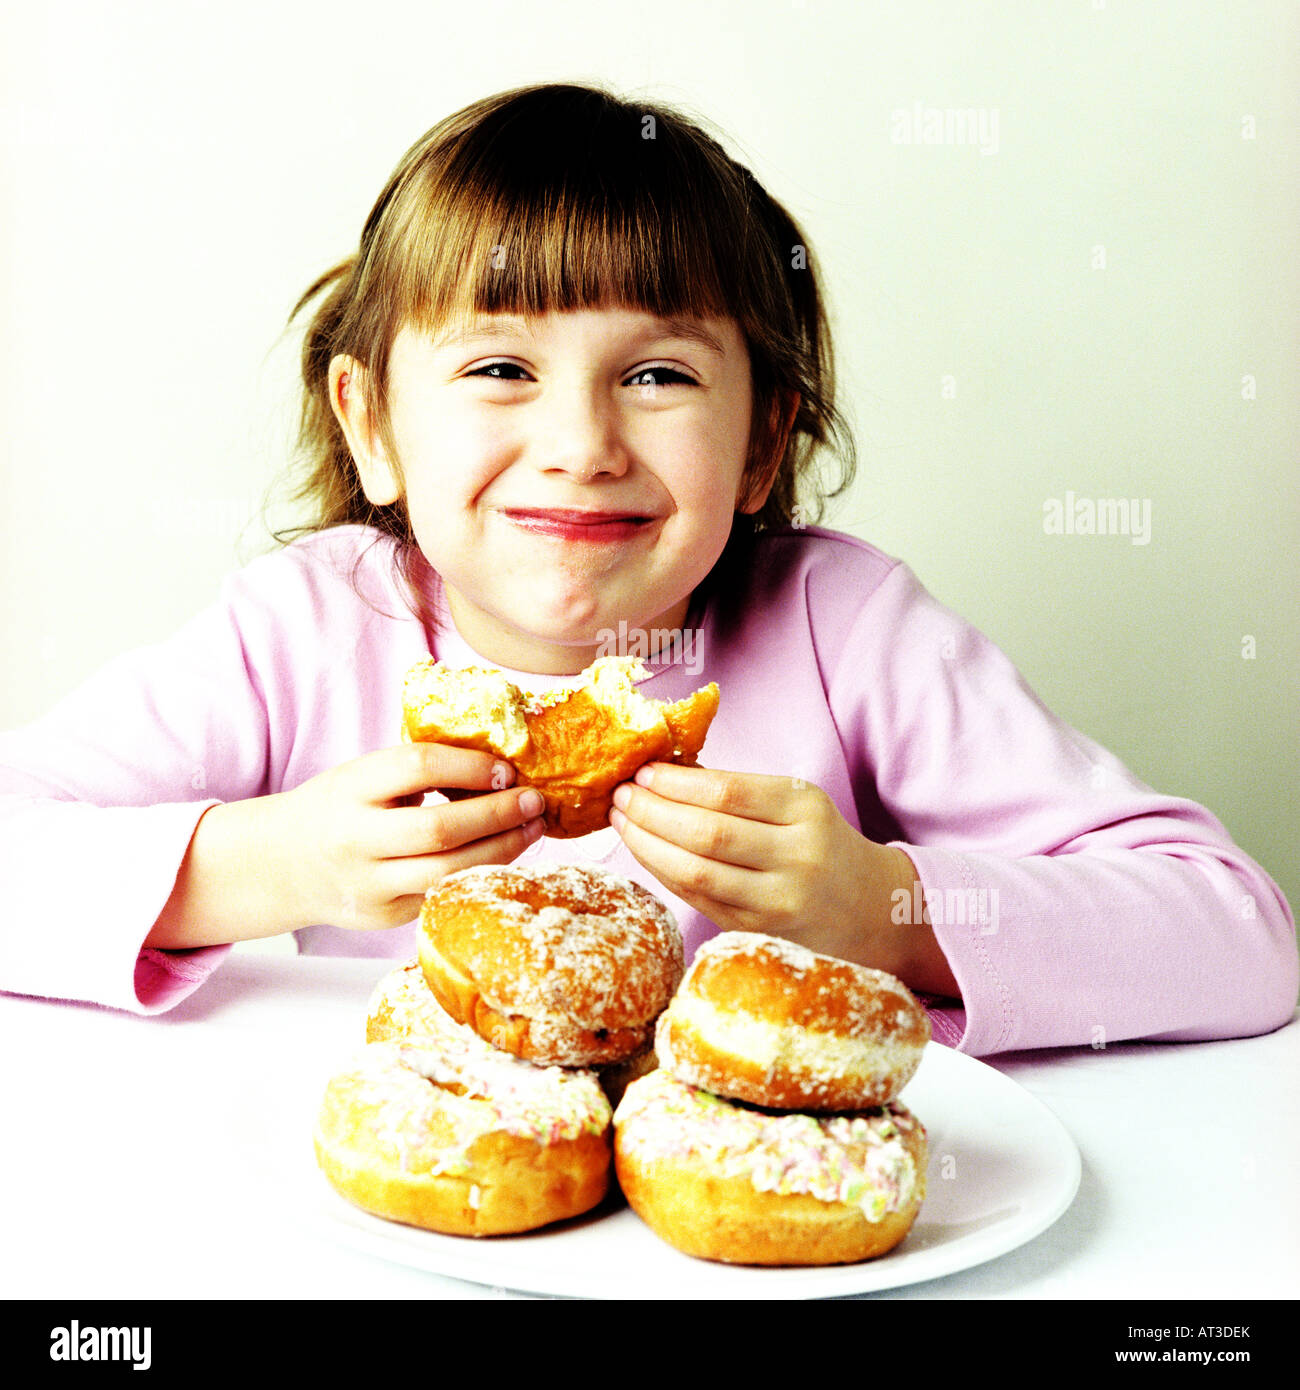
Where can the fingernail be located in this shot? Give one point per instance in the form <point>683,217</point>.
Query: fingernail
<point>622,795</point>
<point>502,776</point>
<point>534,830</point>
<point>618,820</point>
<point>645,776</point>
<point>531,803</point>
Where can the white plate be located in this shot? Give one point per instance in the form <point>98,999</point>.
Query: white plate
<point>1002,1169</point>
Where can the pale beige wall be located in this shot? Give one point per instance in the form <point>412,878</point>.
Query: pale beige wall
<point>1093,292</point>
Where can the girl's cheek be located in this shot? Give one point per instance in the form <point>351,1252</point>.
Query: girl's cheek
<point>484,442</point>
<point>462,458</point>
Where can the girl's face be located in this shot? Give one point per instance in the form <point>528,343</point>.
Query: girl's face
<point>565,473</point>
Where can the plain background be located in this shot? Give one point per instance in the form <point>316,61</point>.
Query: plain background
<point>1102,300</point>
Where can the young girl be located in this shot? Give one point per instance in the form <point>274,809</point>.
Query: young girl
<point>567,399</point>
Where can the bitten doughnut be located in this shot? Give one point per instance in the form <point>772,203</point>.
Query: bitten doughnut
<point>575,746</point>
<point>453,1136</point>
<point>721,1181</point>
<point>762,1020</point>
<point>568,965</point>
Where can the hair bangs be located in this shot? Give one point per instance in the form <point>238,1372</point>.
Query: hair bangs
<point>532,225</point>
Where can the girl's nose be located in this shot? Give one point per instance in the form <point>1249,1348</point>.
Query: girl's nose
<point>582,437</point>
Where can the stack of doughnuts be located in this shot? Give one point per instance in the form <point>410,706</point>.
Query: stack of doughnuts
<point>507,1067</point>
<point>772,1133</point>
<point>471,1110</point>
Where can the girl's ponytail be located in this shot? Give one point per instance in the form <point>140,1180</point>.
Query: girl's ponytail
<point>331,483</point>
<point>801,359</point>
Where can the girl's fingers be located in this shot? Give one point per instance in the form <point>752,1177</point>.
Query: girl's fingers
<point>691,876</point>
<point>407,770</point>
<point>404,882</point>
<point>404,832</point>
<point>710,835</point>
<point>750,795</point>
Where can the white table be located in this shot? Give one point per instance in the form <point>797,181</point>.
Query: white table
<point>136,1158</point>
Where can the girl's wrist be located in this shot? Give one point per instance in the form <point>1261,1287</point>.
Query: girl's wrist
<point>875,933</point>
<point>920,960</point>
<point>227,889</point>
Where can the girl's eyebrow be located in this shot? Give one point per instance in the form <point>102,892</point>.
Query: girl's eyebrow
<point>462,334</point>
<point>691,330</point>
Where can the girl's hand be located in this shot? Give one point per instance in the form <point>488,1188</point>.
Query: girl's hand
<point>352,847</point>
<point>367,849</point>
<point>774,855</point>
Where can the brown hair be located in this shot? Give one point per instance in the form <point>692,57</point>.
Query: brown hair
<point>557,197</point>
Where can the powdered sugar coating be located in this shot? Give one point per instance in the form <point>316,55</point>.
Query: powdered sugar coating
<point>788,983</point>
<point>768,1021</point>
<point>572,943</point>
<point>797,959</point>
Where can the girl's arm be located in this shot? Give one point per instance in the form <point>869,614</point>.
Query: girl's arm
<point>99,800</point>
<point>167,799</point>
<point>1075,904</point>
<point>1069,902</point>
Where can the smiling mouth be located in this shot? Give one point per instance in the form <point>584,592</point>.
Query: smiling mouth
<point>561,523</point>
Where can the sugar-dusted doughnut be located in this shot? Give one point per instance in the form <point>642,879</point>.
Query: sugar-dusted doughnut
<point>567,965</point>
<point>763,1020</point>
<point>575,746</point>
<point>453,1136</point>
<point>723,1181</point>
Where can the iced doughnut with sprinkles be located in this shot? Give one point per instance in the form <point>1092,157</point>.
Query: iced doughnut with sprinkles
<point>721,1180</point>
<point>452,1135</point>
<point>402,1009</point>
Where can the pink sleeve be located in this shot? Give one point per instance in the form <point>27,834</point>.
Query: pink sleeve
<point>98,802</point>
<point>79,882</point>
<point>1074,903</point>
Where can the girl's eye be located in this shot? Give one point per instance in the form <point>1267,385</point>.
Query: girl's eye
<point>647,376</point>
<point>664,376</point>
<point>500,371</point>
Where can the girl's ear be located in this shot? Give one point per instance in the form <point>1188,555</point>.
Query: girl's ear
<point>754,489</point>
<point>379,478</point>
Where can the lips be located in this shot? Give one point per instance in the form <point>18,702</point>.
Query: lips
<point>572,524</point>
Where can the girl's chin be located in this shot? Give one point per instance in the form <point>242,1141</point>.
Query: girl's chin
<point>564,650</point>
<point>530,642</point>
<point>566,612</point>
<point>559,632</point>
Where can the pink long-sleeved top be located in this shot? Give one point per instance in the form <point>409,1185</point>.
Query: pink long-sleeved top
<point>1074,904</point>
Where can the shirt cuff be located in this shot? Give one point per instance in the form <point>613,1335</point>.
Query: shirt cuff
<point>164,978</point>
